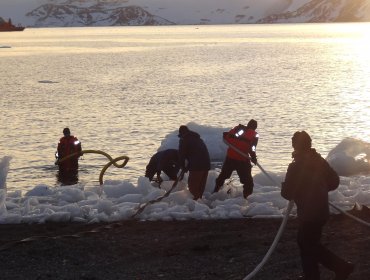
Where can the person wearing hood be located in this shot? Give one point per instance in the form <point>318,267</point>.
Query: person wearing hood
<point>308,180</point>
<point>194,157</point>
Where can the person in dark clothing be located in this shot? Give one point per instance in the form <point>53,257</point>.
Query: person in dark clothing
<point>308,180</point>
<point>166,161</point>
<point>68,169</point>
<point>244,138</point>
<point>193,150</point>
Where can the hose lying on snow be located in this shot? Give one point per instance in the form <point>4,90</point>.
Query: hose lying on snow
<point>143,206</point>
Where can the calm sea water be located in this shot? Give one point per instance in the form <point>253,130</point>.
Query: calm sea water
<point>122,90</point>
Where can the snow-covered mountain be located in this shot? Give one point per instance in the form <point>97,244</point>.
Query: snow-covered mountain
<point>99,14</point>
<point>325,11</point>
<point>42,13</point>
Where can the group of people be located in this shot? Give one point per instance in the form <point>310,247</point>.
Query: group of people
<point>308,180</point>
<point>192,156</point>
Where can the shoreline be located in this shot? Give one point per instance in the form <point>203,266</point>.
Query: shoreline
<point>191,249</point>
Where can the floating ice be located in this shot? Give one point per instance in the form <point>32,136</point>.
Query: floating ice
<point>120,200</point>
<point>350,157</point>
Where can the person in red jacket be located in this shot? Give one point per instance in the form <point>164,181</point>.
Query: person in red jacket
<point>245,139</point>
<point>308,180</point>
<point>68,169</point>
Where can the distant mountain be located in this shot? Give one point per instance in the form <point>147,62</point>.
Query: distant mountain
<point>53,13</point>
<point>325,11</point>
<point>100,14</point>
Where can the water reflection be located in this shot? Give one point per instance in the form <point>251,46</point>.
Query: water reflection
<point>127,89</point>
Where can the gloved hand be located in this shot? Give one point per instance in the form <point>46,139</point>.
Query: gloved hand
<point>254,159</point>
<point>183,171</point>
<point>158,180</point>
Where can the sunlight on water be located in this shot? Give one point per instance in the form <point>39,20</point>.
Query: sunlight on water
<point>124,89</point>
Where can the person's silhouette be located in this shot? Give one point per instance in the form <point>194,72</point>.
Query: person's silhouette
<point>68,169</point>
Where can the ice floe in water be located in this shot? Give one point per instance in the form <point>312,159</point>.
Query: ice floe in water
<point>119,200</point>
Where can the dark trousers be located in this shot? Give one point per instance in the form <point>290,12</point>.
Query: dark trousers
<point>314,253</point>
<point>243,169</point>
<point>197,183</point>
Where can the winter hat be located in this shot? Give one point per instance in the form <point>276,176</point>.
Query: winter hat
<point>301,141</point>
<point>183,130</point>
<point>252,124</point>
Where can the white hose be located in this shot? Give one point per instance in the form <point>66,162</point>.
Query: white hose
<point>349,215</point>
<point>278,235</point>
<point>274,243</point>
<point>283,224</point>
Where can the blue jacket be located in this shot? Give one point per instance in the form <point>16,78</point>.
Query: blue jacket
<point>166,160</point>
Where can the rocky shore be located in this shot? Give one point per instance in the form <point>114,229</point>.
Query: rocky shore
<point>193,249</point>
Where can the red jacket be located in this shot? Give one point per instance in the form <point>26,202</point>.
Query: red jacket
<point>68,145</point>
<point>244,139</point>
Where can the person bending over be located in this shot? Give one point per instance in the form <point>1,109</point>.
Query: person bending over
<point>166,161</point>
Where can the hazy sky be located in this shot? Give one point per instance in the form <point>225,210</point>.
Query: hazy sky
<point>17,8</point>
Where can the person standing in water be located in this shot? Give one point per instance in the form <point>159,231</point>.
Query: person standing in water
<point>68,169</point>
